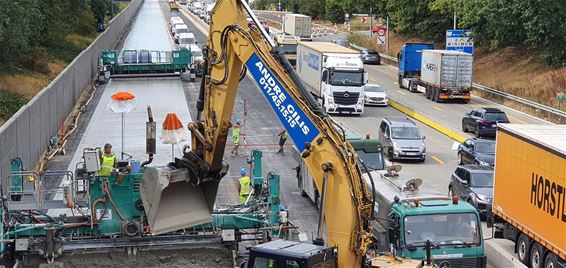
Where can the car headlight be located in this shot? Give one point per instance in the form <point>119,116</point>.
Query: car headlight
<point>483,163</point>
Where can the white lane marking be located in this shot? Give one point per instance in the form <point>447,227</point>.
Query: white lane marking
<point>401,92</point>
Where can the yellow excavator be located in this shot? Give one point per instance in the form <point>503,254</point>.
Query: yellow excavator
<point>232,50</point>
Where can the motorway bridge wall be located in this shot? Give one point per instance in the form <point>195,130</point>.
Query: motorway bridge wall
<point>26,133</point>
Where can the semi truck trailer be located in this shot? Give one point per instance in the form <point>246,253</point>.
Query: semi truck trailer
<point>530,192</point>
<point>443,75</point>
<point>334,74</point>
<point>298,25</point>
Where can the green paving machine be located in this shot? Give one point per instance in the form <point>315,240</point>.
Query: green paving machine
<point>51,213</point>
<point>143,63</point>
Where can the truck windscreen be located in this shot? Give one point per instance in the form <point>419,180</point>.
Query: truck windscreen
<point>289,49</point>
<point>344,78</point>
<point>442,229</point>
<point>372,160</point>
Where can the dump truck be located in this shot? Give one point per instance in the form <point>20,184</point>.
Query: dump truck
<point>443,75</point>
<point>298,25</point>
<point>530,192</point>
<point>334,75</point>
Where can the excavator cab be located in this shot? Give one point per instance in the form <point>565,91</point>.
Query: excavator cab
<point>284,253</point>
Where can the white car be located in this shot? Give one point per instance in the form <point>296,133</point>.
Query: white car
<point>375,94</point>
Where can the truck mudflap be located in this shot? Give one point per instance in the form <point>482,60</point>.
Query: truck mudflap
<point>477,262</point>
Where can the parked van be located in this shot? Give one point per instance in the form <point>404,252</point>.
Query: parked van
<point>401,139</point>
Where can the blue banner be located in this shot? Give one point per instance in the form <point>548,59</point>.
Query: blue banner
<point>297,124</point>
<point>313,61</point>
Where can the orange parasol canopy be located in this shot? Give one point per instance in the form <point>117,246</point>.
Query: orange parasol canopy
<point>123,96</point>
<point>172,122</point>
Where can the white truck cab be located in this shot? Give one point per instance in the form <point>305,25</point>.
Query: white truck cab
<point>186,40</point>
<point>334,74</point>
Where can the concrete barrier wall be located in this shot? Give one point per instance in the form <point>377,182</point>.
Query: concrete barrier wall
<point>26,134</point>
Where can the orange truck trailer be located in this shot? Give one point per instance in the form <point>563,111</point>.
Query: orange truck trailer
<point>530,192</point>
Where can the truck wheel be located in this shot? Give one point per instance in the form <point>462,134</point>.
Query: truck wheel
<point>537,256</point>
<point>523,248</point>
<point>460,162</point>
<point>550,261</point>
<point>427,92</point>
<point>400,82</point>
<point>435,95</point>
<point>464,128</point>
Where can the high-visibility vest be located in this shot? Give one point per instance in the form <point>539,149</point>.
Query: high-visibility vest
<point>107,164</point>
<point>236,135</point>
<point>285,135</point>
<point>245,185</point>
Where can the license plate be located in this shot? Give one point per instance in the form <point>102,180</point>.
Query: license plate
<point>411,153</point>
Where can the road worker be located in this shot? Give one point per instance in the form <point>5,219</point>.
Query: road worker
<point>107,160</point>
<point>236,137</point>
<point>244,185</point>
<point>283,135</point>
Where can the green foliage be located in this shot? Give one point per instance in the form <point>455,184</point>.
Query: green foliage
<point>10,103</point>
<point>334,11</point>
<point>35,25</point>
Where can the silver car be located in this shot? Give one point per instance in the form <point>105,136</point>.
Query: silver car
<point>401,139</point>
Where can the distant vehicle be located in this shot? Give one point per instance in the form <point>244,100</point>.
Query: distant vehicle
<point>341,42</point>
<point>375,94</point>
<point>185,40</point>
<point>473,184</point>
<point>179,29</point>
<point>173,6</point>
<point>444,75</point>
<point>175,21</point>
<point>288,44</point>
<point>265,25</point>
<point>483,121</point>
<point>401,139</point>
<point>371,57</point>
<point>477,151</point>
<point>298,25</point>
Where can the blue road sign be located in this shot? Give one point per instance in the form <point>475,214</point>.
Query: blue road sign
<point>459,40</point>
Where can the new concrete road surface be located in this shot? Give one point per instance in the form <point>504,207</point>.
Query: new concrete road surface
<point>165,95</point>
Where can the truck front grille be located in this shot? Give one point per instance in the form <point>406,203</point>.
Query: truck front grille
<point>346,98</point>
<point>460,263</point>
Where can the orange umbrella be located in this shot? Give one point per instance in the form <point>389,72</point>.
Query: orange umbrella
<point>123,102</point>
<point>172,131</point>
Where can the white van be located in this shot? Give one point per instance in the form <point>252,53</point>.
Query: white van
<point>196,53</point>
<point>186,40</point>
<point>179,29</point>
<point>174,21</point>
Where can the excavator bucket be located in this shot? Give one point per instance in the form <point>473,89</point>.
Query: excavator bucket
<point>172,203</point>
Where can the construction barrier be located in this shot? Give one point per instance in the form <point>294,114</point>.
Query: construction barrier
<point>27,133</point>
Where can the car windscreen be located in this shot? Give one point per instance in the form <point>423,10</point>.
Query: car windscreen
<point>405,133</point>
<point>373,53</point>
<point>496,117</point>
<point>450,229</point>
<point>181,30</point>
<point>482,180</point>
<point>374,89</point>
<point>485,147</point>
<point>342,78</point>
<point>373,161</point>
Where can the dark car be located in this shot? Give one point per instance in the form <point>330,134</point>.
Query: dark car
<point>371,57</point>
<point>476,151</point>
<point>473,184</point>
<point>483,121</point>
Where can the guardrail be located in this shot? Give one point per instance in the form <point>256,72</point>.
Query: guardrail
<point>483,88</point>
